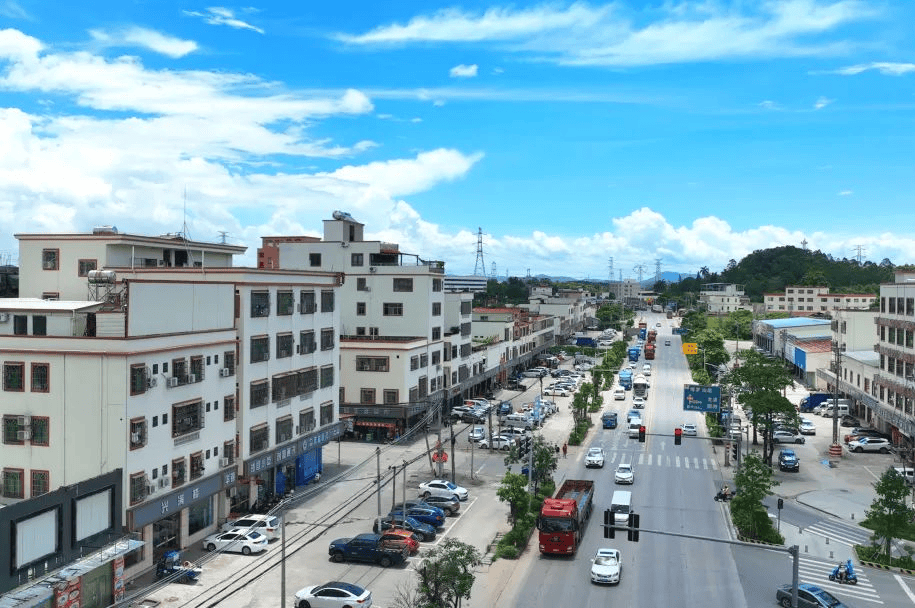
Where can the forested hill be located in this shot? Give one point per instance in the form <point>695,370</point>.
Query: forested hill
<point>770,270</point>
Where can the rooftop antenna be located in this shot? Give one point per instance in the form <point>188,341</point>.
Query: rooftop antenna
<point>222,236</point>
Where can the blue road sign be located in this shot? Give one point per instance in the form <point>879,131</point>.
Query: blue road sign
<point>700,398</point>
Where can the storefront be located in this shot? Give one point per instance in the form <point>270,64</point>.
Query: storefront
<point>374,429</point>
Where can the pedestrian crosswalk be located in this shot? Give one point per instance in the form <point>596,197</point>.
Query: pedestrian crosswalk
<point>643,459</point>
<point>840,532</point>
<point>817,571</point>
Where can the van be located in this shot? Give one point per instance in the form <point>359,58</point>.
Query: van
<point>830,404</point>
<point>621,507</point>
<point>907,473</point>
<point>634,426</point>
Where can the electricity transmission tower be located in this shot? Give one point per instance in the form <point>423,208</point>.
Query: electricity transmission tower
<point>860,252</point>
<point>657,269</point>
<point>640,269</point>
<point>479,268</point>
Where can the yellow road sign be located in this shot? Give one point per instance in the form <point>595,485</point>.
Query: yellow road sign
<point>690,348</point>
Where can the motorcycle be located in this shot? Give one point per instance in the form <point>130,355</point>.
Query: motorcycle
<point>849,577</point>
<point>720,497</point>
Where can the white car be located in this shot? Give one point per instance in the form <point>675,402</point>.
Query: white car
<point>646,369</point>
<point>477,433</point>
<point>807,427</point>
<point>556,391</point>
<point>606,566</point>
<point>624,474</point>
<point>619,393</point>
<point>499,442</point>
<point>333,595</point>
<point>237,541</point>
<point>784,436</point>
<point>870,444</point>
<point>638,402</point>
<point>267,525</point>
<point>689,430</point>
<point>443,487</point>
<point>595,458</point>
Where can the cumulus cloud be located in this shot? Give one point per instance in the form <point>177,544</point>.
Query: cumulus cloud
<point>145,38</point>
<point>463,71</point>
<point>822,102</point>
<point>845,193</point>
<point>219,15</point>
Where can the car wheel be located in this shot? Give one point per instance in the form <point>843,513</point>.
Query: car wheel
<point>455,498</point>
<point>786,602</point>
<point>858,450</point>
<point>800,440</point>
<point>211,547</point>
<point>304,604</point>
<point>427,494</point>
<point>246,550</point>
<point>505,448</point>
<point>337,557</point>
<point>385,561</point>
<point>884,451</point>
<point>420,536</point>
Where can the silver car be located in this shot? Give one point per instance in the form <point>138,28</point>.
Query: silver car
<point>786,436</point>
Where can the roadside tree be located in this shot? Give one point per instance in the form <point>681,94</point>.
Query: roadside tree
<point>889,514</point>
<point>446,576</point>
<point>753,482</point>
<point>513,490</point>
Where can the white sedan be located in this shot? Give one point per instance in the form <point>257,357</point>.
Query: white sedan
<point>595,458</point>
<point>333,595</point>
<point>237,541</point>
<point>638,402</point>
<point>443,487</point>
<point>624,474</point>
<point>556,391</point>
<point>606,566</point>
<point>498,442</point>
<point>689,430</point>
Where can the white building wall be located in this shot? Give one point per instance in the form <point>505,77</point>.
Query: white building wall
<point>35,281</point>
<point>166,308</point>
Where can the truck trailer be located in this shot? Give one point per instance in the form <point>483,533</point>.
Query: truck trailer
<point>626,378</point>
<point>562,518</point>
<point>634,352</point>
<point>649,351</point>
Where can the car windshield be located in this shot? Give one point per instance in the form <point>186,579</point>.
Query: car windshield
<point>594,452</point>
<point>605,561</point>
<point>555,524</point>
<point>624,468</point>
<point>827,598</point>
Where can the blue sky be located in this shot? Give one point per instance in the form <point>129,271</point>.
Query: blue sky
<point>569,132</point>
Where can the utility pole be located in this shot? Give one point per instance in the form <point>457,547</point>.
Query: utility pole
<point>835,450</point>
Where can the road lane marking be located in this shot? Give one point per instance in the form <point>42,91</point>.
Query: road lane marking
<point>905,588</point>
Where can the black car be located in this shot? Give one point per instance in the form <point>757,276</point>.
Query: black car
<point>808,596</point>
<point>850,421</point>
<point>788,461</point>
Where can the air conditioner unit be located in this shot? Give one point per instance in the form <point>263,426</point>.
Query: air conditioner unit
<point>344,244</point>
<point>23,435</point>
<point>160,263</point>
<point>372,269</point>
<point>4,317</point>
<point>151,382</point>
<point>22,421</point>
<point>192,378</point>
<point>163,482</point>
<point>225,372</point>
<point>224,462</point>
<point>150,488</point>
<point>135,438</point>
<point>172,382</point>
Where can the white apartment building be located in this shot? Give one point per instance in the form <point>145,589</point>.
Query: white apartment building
<point>625,291</point>
<point>806,300</point>
<point>185,379</point>
<point>723,298</point>
<point>854,330</point>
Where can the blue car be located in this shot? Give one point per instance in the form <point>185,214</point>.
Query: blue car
<point>433,516</point>
<point>422,531</point>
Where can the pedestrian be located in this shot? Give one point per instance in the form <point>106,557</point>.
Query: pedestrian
<point>565,448</point>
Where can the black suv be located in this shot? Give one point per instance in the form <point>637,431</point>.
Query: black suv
<point>788,461</point>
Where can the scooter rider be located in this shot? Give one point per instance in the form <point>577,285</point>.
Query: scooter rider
<point>842,573</point>
<point>725,492</point>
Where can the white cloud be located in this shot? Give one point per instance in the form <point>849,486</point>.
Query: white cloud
<point>438,103</point>
<point>768,105</point>
<point>145,38</point>
<point>13,10</point>
<point>884,67</point>
<point>463,71</point>
<point>219,15</point>
<point>822,102</point>
<point>845,193</point>
<point>612,35</point>
<point>497,71</point>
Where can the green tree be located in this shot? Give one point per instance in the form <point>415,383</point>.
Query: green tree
<point>889,515</point>
<point>753,482</point>
<point>446,574</point>
<point>513,490</point>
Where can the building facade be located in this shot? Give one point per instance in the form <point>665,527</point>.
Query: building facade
<point>807,300</point>
<point>723,298</point>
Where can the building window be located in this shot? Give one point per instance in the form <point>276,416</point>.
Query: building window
<point>228,408</point>
<point>197,372</point>
<point>436,309</point>
<point>306,421</point>
<point>228,451</point>
<point>284,386</point>
<point>41,373</point>
<point>361,284</point>
<point>197,465</point>
<point>373,331</point>
<point>50,259</point>
<point>327,301</point>
<point>137,433</point>
<point>403,284</point>
<point>283,346</point>
<point>327,413</point>
<point>307,302</point>
<point>179,472</point>
<point>424,360</point>
<point>260,304</point>
<point>436,357</point>
<point>307,344</point>
<point>372,364</point>
<point>327,376</point>
<point>285,304</point>
<point>367,396</point>
<point>414,363</point>
<point>199,516</point>
<point>314,260</point>
<point>391,397</point>
<point>360,331</point>
<point>138,379</point>
<point>14,377</point>
<point>83,267</point>
<point>187,418</point>
<point>259,438</point>
<point>283,429</point>
<point>228,361</point>
<point>20,325</point>
<point>39,325</point>
<point>12,483</point>
<point>360,309</point>
<point>436,333</point>
<point>356,259</point>
<point>40,433</point>
<point>138,487</point>
<point>260,393</point>
<point>306,381</point>
<point>327,339</point>
<point>260,349</point>
<point>179,370</point>
<point>437,284</point>
<point>392,309</point>
<point>11,430</point>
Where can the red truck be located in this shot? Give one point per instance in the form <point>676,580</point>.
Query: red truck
<point>562,519</point>
<point>649,350</point>
<point>652,334</point>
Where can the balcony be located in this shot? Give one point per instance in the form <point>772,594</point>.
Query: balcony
<point>187,438</point>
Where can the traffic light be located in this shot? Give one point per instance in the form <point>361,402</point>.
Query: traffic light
<point>609,531</point>
<point>642,434</point>
<point>735,450</point>
<point>678,436</point>
<point>634,527</point>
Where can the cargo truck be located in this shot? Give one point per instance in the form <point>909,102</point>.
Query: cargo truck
<point>562,518</point>
<point>649,351</point>
<point>634,352</point>
<point>639,386</point>
<point>626,378</point>
<point>815,399</point>
<point>586,342</point>
<point>652,334</point>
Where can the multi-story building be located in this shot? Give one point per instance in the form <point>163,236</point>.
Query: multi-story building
<point>185,379</point>
<point>806,300</point>
<point>723,298</point>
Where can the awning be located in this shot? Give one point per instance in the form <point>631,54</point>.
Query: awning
<point>375,424</point>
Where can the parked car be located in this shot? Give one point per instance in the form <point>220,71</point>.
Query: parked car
<point>267,525</point>
<point>870,444</point>
<point>238,540</point>
<point>556,391</point>
<point>624,474</point>
<point>788,461</point>
<point>850,421</point>
<point>787,436</point>
<point>422,531</point>
<point>606,566</point>
<point>449,505</point>
<point>477,433</point>
<point>333,595</point>
<point>594,458</point>
<point>442,487</point>
<point>859,432</point>
<point>433,516</point>
<point>808,596</point>
<point>367,548</point>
